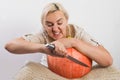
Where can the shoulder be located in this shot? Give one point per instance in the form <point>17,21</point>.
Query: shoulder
<point>39,37</point>
<point>77,30</point>
<point>76,27</point>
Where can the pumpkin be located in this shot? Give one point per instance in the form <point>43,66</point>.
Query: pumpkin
<point>67,68</point>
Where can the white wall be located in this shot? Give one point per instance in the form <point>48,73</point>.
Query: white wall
<point>101,19</point>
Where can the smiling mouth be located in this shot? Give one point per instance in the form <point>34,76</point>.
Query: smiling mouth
<point>56,33</point>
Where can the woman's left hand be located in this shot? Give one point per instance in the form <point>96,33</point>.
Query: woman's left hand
<point>67,42</point>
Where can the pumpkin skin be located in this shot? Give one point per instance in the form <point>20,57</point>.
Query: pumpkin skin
<point>67,68</point>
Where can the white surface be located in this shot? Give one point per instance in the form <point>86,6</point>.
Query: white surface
<point>101,19</point>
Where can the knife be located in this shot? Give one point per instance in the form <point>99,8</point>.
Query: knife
<point>76,61</point>
<point>52,47</point>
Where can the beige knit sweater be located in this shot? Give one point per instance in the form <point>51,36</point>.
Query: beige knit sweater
<point>36,71</point>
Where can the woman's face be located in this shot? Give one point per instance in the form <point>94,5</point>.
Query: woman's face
<point>55,25</point>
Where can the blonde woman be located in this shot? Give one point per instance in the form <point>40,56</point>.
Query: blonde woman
<point>56,31</point>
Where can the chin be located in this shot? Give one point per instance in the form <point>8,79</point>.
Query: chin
<point>59,37</point>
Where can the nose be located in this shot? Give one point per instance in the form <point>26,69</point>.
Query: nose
<point>55,27</point>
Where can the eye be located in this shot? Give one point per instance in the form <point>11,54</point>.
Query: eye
<point>49,24</point>
<point>59,23</point>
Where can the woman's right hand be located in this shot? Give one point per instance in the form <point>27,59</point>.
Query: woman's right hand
<point>59,49</point>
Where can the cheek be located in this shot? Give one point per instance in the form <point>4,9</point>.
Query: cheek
<point>48,30</point>
<point>63,28</point>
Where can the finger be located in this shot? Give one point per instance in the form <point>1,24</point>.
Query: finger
<point>64,51</point>
<point>58,54</point>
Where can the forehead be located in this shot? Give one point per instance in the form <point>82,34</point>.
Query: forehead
<point>55,16</point>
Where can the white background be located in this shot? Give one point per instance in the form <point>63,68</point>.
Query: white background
<point>101,19</point>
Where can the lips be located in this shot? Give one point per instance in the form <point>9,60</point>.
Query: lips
<point>56,34</point>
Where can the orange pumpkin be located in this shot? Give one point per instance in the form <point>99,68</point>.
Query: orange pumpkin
<point>68,68</point>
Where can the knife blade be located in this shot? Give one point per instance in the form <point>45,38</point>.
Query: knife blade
<point>52,47</point>
<point>76,61</point>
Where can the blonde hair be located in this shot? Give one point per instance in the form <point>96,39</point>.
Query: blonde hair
<point>52,7</point>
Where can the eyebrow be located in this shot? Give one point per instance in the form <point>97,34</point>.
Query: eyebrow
<point>56,21</point>
<point>59,19</point>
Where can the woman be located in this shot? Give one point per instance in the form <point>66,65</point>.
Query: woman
<point>56,31</point>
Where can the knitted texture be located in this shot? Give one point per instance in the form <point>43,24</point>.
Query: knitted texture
<point>36,71</point>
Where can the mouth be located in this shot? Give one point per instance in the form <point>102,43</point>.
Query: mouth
<point>56,34</point>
